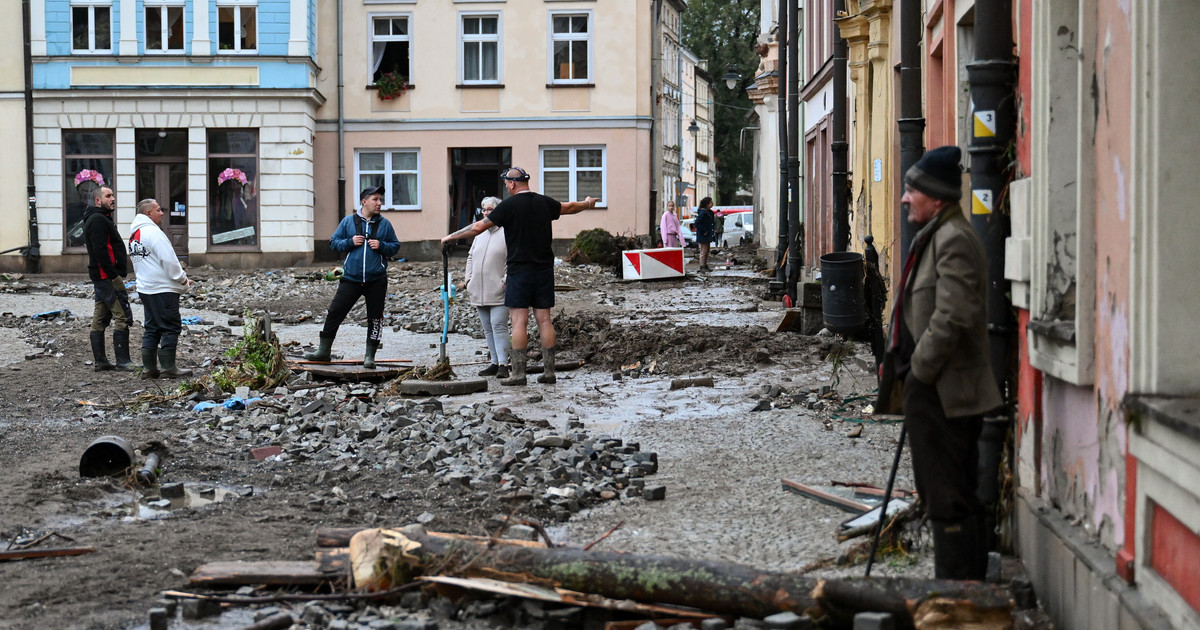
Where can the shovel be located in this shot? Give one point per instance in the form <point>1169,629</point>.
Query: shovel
<point>448,293</point>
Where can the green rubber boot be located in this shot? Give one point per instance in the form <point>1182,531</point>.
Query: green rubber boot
<point>322,353</point>
<point>149,363</point>
<point>369,355</point>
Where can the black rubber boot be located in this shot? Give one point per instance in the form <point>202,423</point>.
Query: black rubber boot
<point>957,554</point>
<point>321,353</point>
<point>547,375</point>
<point>99,359</point>
<point>518,369</point>
<point>121,350</point>
<point>369,355</point>
<point>149,363</point>
<point>166,358</point>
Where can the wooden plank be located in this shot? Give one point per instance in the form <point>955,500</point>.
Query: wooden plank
<point>271,572</point>
<point>353,372</point>
<point>841,503</point>
<point>29,554</point>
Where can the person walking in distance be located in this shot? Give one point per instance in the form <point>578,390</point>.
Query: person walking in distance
<point>108,265</point>
<point>527,219</point>
<point>160,281</point>
<point>937,362</point>
<point>705,224</point>
<point>485,277</point>
<point>369,242</point>
<point>670,228</point>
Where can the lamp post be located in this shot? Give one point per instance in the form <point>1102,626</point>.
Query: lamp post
<point>731,77</point>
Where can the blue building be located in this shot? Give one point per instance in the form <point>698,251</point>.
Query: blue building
<point>208,106</point>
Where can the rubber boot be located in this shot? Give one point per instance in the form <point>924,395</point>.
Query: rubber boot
<point>518,368</point>
<point>321,353</point>
<point>149,363</point>
<point>121,350</point>
<point>547,375</point>
<point>99,360</point>
<point>166,358</point>
<point>956,550</point>
<point>369,355</point>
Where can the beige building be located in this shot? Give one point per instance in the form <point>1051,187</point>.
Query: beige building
<point>14,209</point>
<point>560,89</point>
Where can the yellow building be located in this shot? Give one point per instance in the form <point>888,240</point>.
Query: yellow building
<point>874,142</point>
<point>14,208</point>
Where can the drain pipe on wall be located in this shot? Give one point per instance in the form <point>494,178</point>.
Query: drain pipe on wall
<point>341,183</point>
<point>911,124</point>
<point>993,77</point>
<point>779,285</point>
<point>839,145</point>
<point>32,252</point>
<point>795,227</point>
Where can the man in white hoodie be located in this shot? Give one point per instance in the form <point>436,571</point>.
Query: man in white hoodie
<point>160,280</point>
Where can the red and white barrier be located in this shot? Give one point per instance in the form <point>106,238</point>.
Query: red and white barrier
<point>650,264</point>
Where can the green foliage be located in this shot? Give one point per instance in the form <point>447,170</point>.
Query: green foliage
<point>596,243</point>
<point>725,33</point>
<point>256,362</point>
<point>391,85</point>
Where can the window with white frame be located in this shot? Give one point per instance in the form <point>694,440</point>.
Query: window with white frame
<point>164,26</point>
<point>390,42</point>
<point>237,26</point>
<point>91,27</point>
<point>480,37</point>
<point>397,170</point>
<point>574,173</point>
<point>570,47</point>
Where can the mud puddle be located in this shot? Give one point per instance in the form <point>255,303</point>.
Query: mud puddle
<point>174,497</point>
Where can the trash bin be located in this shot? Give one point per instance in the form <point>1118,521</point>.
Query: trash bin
<point>842,292</point>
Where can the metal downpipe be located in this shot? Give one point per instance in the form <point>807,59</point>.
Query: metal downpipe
<point>839,145</point>
<point>795,227</point>
<point>781,245</point>
<point>33,251</point>
<point>341,124</point>
<point>911,123</point>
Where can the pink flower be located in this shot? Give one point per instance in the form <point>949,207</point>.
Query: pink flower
<point>231,173</point>
<point>89,175</point>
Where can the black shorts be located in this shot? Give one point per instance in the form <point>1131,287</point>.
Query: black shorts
<point>525,289</point>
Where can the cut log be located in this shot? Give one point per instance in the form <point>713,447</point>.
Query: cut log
<point>382,558</point>
<point>340,537</point>
<point>923,604</point>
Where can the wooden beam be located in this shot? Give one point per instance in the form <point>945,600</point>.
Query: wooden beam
<point>841,503</point>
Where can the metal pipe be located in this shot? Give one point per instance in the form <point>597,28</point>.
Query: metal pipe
<point>656,140</point>
<point>781,246</point>
<point>795,232</point>
<point>341,124</point>
<point>32,252</point>
<point>838,143</point>
<point>148,474</point>
<point>911,123</point>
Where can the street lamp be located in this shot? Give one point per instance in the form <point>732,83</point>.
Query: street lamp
<point>693,128</point>
<point>731,77</point>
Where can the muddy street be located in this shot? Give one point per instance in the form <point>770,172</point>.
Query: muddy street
<point>693,472</point>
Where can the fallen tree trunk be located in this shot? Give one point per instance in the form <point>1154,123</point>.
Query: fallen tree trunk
<point>917,603</point>
<point>384,558</point>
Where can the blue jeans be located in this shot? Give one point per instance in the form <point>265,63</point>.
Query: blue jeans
<point>495,328</point>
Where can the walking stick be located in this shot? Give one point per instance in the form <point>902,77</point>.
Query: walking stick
<point>887,495</point>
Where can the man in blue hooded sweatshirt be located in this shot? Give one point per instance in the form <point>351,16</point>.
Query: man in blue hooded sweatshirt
<point>369,242</point>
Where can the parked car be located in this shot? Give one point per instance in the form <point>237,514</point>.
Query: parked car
<point>687,231</point>
<point>739,228</point>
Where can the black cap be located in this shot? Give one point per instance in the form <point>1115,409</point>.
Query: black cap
<point>370,190</point>
<point>938,174</point>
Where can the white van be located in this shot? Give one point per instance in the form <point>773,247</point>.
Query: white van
<point>739,225</point>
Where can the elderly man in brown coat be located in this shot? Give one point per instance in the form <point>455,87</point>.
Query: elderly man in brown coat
<point>938,350</point>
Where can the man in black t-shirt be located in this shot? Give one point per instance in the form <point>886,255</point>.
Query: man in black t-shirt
<point>526,217</point>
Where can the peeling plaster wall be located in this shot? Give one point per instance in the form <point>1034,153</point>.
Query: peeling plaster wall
<point>1084,436</point>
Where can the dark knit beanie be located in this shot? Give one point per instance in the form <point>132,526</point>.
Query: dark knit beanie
<point>937,173</point>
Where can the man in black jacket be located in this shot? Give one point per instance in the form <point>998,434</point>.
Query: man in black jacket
<point>108,265</point>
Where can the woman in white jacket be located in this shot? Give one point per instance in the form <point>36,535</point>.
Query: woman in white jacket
<point>160,280</point>
<point>486,271</point>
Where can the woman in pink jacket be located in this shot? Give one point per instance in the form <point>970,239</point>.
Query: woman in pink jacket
<point>670,227</point>
<point>487,268</point>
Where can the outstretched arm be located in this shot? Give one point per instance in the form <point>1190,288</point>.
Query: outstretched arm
<point>475,228</point>
<point>571,207</point>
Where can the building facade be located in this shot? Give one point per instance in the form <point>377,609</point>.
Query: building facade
<point>14,209</point>
<point>556,88</point>
<point>207,106</point>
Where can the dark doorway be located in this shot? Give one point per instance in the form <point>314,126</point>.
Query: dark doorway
<point>475,174</point>
<point>162,175</point>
